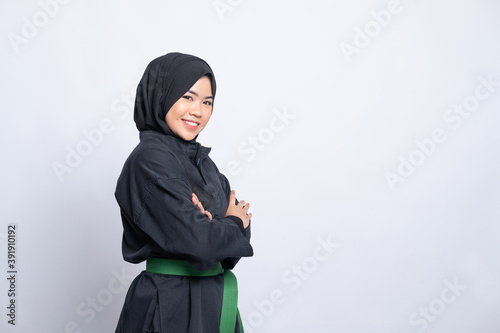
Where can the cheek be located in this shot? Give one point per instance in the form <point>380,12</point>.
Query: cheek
<point>207,115</point>
<point>169,119</point>
<point>180,109</point>
<point>175,112</point>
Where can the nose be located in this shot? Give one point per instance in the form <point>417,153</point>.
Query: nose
<point>195,110</point>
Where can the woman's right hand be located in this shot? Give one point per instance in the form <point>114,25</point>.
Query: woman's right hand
<point>240,210</point>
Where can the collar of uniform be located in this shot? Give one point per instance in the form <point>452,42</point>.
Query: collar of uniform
<point>192,149</point>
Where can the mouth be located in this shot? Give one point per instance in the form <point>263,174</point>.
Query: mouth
<point>191,124</point>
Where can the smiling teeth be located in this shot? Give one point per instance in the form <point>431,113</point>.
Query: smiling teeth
<point>190,123</point>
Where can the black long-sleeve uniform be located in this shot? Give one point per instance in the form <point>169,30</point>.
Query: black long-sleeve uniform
<point>154,192</point>
<point>160,221</point>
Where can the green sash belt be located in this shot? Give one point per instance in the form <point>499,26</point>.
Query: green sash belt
<point>229,311</point>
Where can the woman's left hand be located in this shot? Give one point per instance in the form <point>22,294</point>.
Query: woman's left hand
<point>197,202</point>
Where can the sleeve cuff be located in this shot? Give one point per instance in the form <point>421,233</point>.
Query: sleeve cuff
<point>238,222</point>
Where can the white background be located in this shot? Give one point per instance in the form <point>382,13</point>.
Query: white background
<point>318,177</point>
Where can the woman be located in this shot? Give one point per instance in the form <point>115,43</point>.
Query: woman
<point>178,211</point>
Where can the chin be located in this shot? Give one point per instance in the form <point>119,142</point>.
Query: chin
<point>188,137</point>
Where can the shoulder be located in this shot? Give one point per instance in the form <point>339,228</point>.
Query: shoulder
<point>152,160</point>
<point>225,182</point>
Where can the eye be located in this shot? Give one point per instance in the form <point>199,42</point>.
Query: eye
<point>208,103</point>
<point>189,98</point>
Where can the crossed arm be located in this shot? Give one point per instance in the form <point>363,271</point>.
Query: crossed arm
<point>240,210</point>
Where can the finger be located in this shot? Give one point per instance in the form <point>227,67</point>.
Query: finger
<point>200,206</point>
<point>241,203</point>
<point>208,214</point>
<point>232,197</point>
<point>249,216</point>
<point>197,203</point>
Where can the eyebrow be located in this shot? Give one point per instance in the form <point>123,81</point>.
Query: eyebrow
<point>196,94</point>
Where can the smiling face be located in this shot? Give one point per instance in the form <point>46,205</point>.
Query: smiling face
<point>191,113</point>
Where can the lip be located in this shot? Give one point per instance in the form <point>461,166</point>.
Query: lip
<point>189,124</point>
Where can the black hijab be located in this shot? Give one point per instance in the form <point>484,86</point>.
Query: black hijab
<point>166,79</point>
